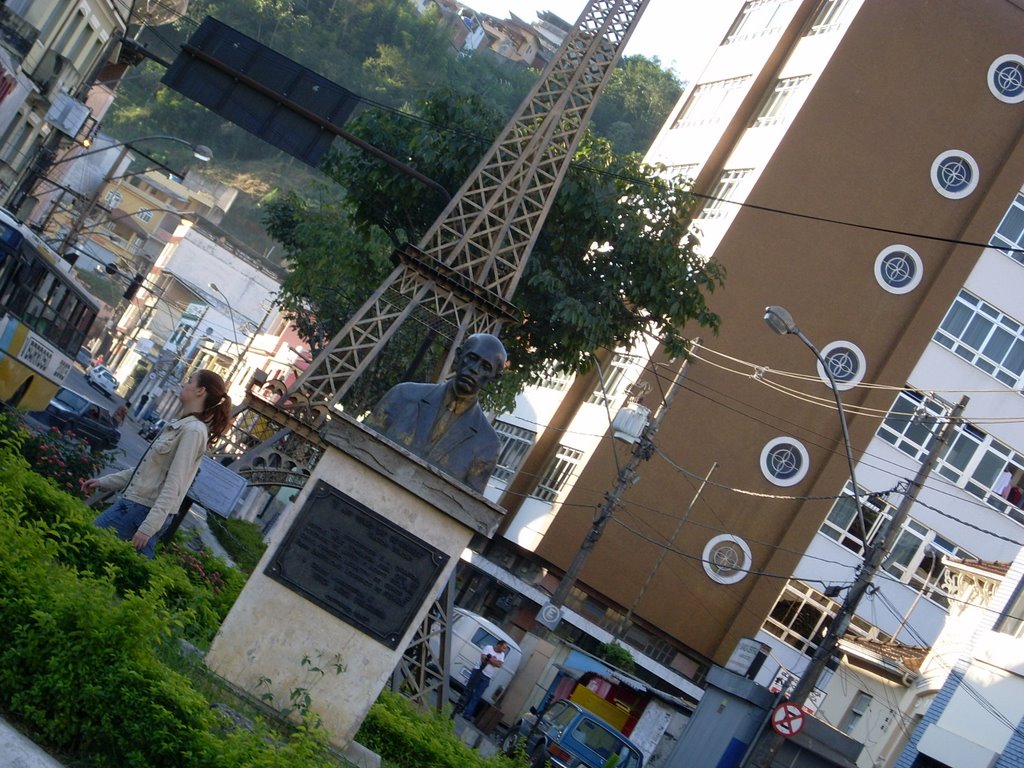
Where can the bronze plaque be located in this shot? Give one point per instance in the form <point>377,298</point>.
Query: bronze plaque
<point>356,564</point>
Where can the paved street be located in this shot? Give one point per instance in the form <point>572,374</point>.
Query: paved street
<point>132,446</point>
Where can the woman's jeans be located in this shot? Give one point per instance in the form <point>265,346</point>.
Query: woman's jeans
<point>124,517</point>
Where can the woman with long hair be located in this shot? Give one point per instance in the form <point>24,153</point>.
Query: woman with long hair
<point>153,491</point>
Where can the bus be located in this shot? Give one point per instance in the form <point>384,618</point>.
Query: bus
<point>45,317</point>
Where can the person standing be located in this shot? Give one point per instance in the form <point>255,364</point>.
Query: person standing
<point>491,660</point>
<point>153,491</point>
<point>122,412</point>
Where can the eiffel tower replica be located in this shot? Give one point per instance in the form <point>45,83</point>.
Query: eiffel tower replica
<point>458,280</point>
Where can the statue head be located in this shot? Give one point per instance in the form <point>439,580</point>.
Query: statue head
<point>479,361</point>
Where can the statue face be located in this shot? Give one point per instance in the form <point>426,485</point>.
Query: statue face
<point>480,360</point>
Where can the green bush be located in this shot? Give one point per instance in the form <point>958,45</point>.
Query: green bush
<point>242,540</point>
<point>87,629</point>
<point>407,737</point>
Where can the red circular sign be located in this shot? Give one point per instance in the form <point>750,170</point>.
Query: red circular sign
<point>787,719</point>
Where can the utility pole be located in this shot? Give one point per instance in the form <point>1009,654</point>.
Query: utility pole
<point>874,556</point>
<point>551,612</point>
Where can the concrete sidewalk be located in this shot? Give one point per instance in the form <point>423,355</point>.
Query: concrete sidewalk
<point>19,751</point>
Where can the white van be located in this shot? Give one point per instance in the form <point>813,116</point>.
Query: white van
<point>470,633</point>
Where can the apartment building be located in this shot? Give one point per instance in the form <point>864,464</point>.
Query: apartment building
<point>858,162</point>
<point>50,52</point>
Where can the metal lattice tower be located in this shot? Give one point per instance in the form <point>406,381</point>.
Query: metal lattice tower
<point>458,280</point>
<point>461,277</point>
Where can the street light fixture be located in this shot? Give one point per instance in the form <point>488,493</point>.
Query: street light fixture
<point>231,312</point>
<point>200,152</point>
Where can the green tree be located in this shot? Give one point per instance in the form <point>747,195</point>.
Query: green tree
<point>614,256</point>
<point>634,105</point>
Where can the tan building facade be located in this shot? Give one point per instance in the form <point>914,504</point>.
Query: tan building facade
<point>823,138</point>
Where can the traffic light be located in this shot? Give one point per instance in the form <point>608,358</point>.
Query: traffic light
<point>133,286</point>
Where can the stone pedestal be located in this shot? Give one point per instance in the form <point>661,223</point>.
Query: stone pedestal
<point>349,574</point>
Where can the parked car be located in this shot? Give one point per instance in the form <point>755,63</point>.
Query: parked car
<point>151,429</point>
<point>71,412</point>
<point>470,633</point>
<point>84,357</point>
<point>100,377</point>
<point>566,735</point>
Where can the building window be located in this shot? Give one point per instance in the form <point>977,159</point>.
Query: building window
<point>1009,234</point>
<point>898,269</point>
<point>829,17</point>
<point>612,382</point>
<point>954,174</point>
<point>800,617</point>
<point>858,708</point>
<point>1006,78</point>
<point>784,461</point>
<point>555,379</point>
<point>846,363</point>
<point>726,559</point>
<point>687,172</point>
<point>973,460</point>
<point>757,18</point>
<point>515,444</point>
<point>144,214</point>
<point>844,526</point>
<point>135,244</point>
<point>777,107</point>
<point>1011,621</point>
<point>718,204</point>
<point>712,102</point>
<point>910,423</point>
<point>113,198</point>
<point>558,473</point>
<point>984,337</point>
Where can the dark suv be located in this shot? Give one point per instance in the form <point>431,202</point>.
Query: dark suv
<point>566,735</point>
<point>70,412</point>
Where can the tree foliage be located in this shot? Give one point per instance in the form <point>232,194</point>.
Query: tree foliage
<point>614,256</point>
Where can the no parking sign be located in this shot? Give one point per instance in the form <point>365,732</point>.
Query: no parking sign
<point>787,719</point>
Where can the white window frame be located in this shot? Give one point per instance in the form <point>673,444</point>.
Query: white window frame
<point>726,559</point>
<point>555,379</point>
<point>777,107</point>
<point>712,102</point>
<point>559,471</point>
<point>970,316</point>
<point>144,214</point>
<point>805,601</point>
<point>847,348</point>
<point>1010,232</point>
<point>611,384</point>
<point>829,17</point>
<point>801,470</point>
<point>720,200</point>
<point>757,18</point>
<point>1001,65</point>
<point>113,198</point>
<point>937,172</point>
<point>973,460</point>
<point>908,255</point>
<point>515,443</point>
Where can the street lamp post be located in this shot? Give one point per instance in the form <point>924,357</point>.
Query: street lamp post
<point>231,313</point>
<point>199,151</point>
<point>781,321</point>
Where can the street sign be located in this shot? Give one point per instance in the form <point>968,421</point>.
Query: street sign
<point>787,719</point>
<point>217,488</point>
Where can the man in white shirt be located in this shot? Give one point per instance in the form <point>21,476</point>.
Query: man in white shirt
<point>491,660</point>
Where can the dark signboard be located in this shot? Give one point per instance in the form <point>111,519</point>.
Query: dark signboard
<point>257,88</point>
<point>356,564</point>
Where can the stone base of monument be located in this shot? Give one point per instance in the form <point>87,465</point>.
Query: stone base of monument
<point>351,570</point>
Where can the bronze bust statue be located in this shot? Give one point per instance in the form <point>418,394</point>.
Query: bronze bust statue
<point>443,423</point>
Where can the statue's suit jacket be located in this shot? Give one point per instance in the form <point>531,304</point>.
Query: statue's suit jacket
<point>468,450</point>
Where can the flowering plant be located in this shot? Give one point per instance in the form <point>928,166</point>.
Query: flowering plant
<point>63,457</point>
<point>199,566</point>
